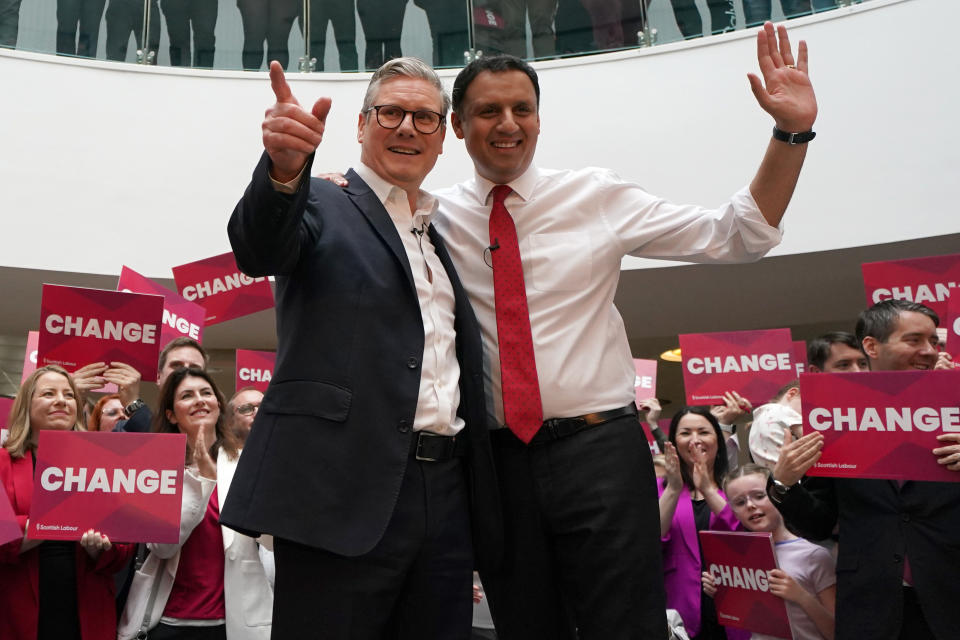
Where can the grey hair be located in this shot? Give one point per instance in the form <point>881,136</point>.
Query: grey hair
<point>406,67</point>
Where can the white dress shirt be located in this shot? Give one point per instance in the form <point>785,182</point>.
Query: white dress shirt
<point>439,372</point>
<point>574,227</point>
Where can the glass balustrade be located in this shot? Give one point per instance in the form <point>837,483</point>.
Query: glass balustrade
<point>352,35</point>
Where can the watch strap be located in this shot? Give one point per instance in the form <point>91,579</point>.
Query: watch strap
<point>794,138</point>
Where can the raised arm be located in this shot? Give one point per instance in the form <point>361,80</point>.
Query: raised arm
<point>265,229</point>
<point>786,94</point>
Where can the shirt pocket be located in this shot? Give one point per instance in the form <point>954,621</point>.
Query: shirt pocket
<point>257,601</point>
<point>560,261</point>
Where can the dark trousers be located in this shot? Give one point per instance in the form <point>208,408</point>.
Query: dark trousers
<point>340,13</point>
<point>448,30</point>
<point>181,15</point>
<point>269,20</point>
<point>124,17</point>
<point>9,22</point>
<point>416,584</point>
<point>382,21</point>
<point>914,626</point>
<point>722,17</point>
<point>582,549</point>
<point>758,11</point>
<point>78,27</point>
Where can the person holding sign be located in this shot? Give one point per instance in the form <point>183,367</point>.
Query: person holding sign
<point>210,584</point>
<point>691,501</point>
<point>51,589</point>
<point>898,551</point>
<point>806,578</point>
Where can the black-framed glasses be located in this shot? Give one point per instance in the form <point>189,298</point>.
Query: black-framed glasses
<point>248,408</point>
<point>390,116</point>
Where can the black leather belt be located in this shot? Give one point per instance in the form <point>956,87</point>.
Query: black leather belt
<point>556,428</point>
<point>430,447</point>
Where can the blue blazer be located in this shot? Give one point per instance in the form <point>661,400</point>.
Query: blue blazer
<point>324,461</point>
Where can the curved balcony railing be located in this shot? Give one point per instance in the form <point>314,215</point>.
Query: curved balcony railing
<point>352,35</point>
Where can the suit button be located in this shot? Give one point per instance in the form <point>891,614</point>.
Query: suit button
<point>412,363</point>
<point>233,555</point>
<point>905,517</point>
<point>897,557</point>
<point>403,427</point>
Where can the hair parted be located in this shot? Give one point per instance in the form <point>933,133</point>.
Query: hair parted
<point>494,64</point>
<point>20,438</point>
<point>161,423</point>
<point>406,67</point>
<point>182,342</point>
<point>880,320</point>
<point>749,469</point>
<point>720,463</point>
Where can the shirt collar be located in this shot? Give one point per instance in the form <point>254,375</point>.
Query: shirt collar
<point>523,185</point>
<point>385,191</point>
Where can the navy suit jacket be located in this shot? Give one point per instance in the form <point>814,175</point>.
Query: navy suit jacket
<point>326,455</point>
<point>881,523</point>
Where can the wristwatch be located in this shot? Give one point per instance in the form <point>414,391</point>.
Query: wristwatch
<point>778,491</point>
<point>134,406</point>
<point>793,138</point>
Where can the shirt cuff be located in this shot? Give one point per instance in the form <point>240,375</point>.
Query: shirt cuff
<point>288,187</point>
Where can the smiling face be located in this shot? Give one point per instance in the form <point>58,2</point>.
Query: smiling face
<point>195,408</point>
<point>912,345</point>
<point>695,433</point>
<point>499,123</point>
<point>402,156</point>
<point>747,496</point>
<point>53,405</point>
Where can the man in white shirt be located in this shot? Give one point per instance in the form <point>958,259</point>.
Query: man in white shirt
<point>582,557</point>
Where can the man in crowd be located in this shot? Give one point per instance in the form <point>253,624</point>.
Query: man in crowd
<point>179,352</point>
<point>356,463</point>
<point>896,572</point>
<point>582,553</point>
<point>836,352</point>
<point>241,410</point>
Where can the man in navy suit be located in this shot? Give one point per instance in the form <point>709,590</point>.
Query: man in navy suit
<point>369,463</point>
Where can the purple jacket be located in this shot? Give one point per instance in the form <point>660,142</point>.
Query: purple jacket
<point>681,561</point>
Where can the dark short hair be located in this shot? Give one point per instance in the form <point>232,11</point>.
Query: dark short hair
<point>162,424</point>
<point>818,351</point>
<point>176,343</point>
<point>879,320</point>
<point>494,64</point>
<point>720,463</point>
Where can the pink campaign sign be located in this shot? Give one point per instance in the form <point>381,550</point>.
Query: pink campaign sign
<point>9,527</point>
<point>645,382</point>
<point>740,562</point>
<point>126,485</point>
<point>925,280</point>
<point>952,324</point>
<point>30,355</point>
<point>181,318</point>
<point>5,405</point>
<point>753,363</point>
<point>255,368</point>
<point>218,285</point>
<point>800,356</point>
<point>79,326</point>
<point>882,424</point>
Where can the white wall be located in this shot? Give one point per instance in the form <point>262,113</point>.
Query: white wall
<point>106,164</point>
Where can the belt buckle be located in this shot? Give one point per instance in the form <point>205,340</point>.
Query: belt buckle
<point>421,437</point>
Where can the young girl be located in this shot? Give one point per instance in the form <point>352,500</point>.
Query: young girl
<point>806,578</point>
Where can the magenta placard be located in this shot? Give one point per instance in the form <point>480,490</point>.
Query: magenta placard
<point>753,363</point>
<point>218,285</point>
<point>645,382</point>
<point>952,324</point>
<point>9,527</point>
<point>126,485</point>
<point>79,326</point>
<point>800,356</point>
<point>5,405</point>
<point>255,368</point>
<point>30,355</point>
<point>740,562</point>
<point>882,424</point>
<point>181,318</point>
<point>926,280</point>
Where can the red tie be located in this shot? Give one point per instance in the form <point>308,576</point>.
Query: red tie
<point>520,389</point>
